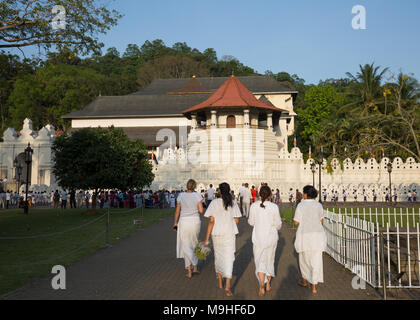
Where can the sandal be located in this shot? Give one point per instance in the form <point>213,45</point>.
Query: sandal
<point>302,284</point>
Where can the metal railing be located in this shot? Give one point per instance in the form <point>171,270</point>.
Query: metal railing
<point>380,251</point>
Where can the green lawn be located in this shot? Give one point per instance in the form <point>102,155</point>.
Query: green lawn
<point>40,254</point>
<point>389,216</point>
<point>287,216</point>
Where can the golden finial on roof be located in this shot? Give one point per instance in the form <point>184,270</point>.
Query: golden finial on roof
<point>233,73</point>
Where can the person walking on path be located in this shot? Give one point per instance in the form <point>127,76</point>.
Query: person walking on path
<point>224,216</point>
<point>187,223</point>
<point>246,197</point>
<point>265,218</point>
<point>253,193</point>
<point>210,195</point>
<point>298,197</point>
<point>310,240</point>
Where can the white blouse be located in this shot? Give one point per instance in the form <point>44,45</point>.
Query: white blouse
<point>266,222</point>
<point>224,223</point>
<point>189,206</point>
<point>310,235</point>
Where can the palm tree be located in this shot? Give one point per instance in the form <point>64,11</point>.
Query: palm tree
<point>366,91</point>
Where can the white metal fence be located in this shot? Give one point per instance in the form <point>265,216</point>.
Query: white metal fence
<point>377,245</point>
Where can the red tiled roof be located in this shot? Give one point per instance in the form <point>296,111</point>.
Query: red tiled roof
<point>232,93</point>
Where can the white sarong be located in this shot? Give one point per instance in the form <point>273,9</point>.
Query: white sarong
<point>264,260</point>
<point>224,254</point>
<point>187,239</point>
<point>310,263</point>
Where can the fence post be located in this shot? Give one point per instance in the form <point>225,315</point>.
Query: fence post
<point>383,263</point>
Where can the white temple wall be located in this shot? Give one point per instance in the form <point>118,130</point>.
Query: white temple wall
<point>290,171</point>
<point>40,142</point>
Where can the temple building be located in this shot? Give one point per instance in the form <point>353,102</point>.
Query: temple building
<point>160,105</point>
<point>232,129</point>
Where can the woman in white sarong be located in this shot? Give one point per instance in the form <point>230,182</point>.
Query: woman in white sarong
<point>311,239</point>
<point>265,218</point>
<point>224,216</point>
<point>187,222</point>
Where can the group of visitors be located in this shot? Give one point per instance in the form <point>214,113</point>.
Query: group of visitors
<point>263,215</point>
<point>12,200</point>
<point>387,197</point>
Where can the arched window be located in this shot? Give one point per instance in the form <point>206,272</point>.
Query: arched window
<point>231,122</point>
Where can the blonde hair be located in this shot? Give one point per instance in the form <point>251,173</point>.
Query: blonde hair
<point>191,185</point>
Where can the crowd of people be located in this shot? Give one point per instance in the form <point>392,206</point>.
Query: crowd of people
<point>164,199</point>
<point>258,206</point>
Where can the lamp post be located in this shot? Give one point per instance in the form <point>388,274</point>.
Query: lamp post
<point>15,165</point>
<point>28,160</point>
<point>313,169</point>
<point>389,167</point>
<point>320,160</point>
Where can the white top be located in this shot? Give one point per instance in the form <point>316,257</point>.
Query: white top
<point>210,193</point>
<point>246,195</point>
<point>310,235</point>
<point>224,223</point>
<point>189,206</point>
<point>266,222</point>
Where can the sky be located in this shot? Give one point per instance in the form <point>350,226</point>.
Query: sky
<point>313,39</point>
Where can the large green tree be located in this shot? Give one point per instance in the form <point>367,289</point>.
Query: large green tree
<point>365,89</point>
<point>101,159</point>
<point>40,22</point>
<point>53,91</point>
<point>320,103</point>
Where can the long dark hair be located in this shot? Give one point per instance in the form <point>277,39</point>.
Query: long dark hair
<point>265,194</point>
<point>224,190</point>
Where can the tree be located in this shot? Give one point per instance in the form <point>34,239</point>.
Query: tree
<point>210,54</point>
<point>53,91</point>
<point>169,67</point>
<point>106,159</point>
<point>30,22</point>
<point>11,68</point>
<point>366,90</point>
<point>365,135</point>
<point>320,102</point>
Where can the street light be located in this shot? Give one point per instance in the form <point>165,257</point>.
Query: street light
<point>313,169</point>
<point>28,160</point>
<point>18,172</point>
<point>389,167</point>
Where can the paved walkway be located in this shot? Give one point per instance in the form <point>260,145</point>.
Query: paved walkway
<point>143,266</point>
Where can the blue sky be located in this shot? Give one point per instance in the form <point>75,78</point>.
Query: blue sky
<point>313,39</point>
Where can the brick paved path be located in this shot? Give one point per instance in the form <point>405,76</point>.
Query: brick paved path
<point>143,266</point>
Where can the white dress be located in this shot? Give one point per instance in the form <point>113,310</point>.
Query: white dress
<point>310,240</point>
<point>223,235</point>
<point>189,225</point>
<point>266,222</point>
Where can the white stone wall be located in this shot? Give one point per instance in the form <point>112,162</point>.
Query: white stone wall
<point>40,142</point>
<point>287,170</point>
